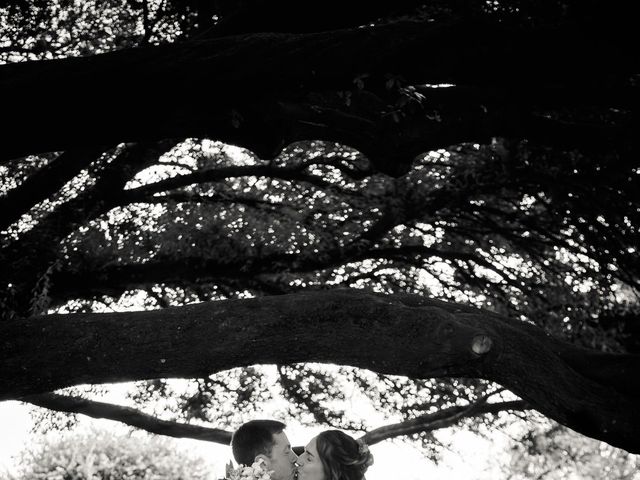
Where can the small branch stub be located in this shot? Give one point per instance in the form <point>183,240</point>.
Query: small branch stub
<point>481,344</point>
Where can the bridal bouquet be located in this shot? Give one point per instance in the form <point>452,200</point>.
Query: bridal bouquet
<point>257,471</point>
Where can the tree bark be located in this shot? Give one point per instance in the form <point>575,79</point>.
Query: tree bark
<point>443,418</point>
<point>231,88</point>
<point>129,416</point>
<point>594,393</point>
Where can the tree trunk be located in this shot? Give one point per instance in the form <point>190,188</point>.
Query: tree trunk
<point>594,393</point>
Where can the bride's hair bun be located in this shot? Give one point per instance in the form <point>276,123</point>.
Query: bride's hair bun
<point>366,457</point>
<point>343,457</point>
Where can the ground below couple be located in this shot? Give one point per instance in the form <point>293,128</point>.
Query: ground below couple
<point>263,451</point>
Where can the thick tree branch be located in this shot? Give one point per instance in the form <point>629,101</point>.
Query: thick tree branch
<point>209,87</point>
<point>129,416</point>
<point>430,339</point>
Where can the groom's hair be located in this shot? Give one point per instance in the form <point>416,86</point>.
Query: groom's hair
<point>253,438</point>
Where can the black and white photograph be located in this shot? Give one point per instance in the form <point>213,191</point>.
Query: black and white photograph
<point>319,240</point>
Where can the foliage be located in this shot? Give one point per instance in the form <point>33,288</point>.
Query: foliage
<point>41,30</point>
<point>102,455</point>
<point>555,452</point>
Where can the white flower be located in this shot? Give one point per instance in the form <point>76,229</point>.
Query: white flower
<point>257,471</point>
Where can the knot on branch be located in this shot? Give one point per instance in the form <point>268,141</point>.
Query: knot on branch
<point>481,344</point>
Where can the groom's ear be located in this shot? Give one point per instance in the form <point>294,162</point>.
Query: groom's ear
<point>264,457</point>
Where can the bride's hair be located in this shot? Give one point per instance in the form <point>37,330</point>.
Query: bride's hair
<point>342,457</point>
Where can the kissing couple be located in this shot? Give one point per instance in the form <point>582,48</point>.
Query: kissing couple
<point>332,455</point>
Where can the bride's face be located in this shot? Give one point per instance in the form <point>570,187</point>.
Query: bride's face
<point>311,467</point>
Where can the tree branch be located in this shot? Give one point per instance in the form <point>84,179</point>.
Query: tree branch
<point>44,183</point>
<point>223,71</point>
<point>128,416</point>
<point>430,339</point>
<point>135,418</point>
<point>441,419</point>
<point>34,252</point>
<point>116,279</point>
<point>213,199</point>
<point>218,174</point>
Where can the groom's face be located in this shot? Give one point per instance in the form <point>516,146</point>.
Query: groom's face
<point>282,459</point>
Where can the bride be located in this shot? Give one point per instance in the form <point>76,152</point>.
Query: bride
<point>334,455</point>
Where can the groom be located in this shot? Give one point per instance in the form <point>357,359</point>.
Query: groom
<point>265,439</point>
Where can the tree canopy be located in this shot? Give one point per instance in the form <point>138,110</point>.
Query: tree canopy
<point>464,174</point>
